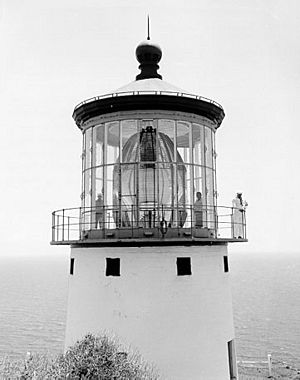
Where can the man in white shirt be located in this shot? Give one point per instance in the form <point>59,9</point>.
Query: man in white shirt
<point>238,216</point>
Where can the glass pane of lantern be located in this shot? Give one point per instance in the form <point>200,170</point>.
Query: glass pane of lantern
<point>183,140</point>
<point>125,196</point>
<point>210,198</point>
<point>198,144</point>
<point>87,199</point>
<point>99,181</point>
<point>167,128</point>
<point>113,142</point>
<point>209,147</point>
<point>99,143</point>
<point>110,196</point>
<point>109,182</point>
<point>199,187</point>
<point>130,139</point>
<point>88,148</point>
<point>174,196</point>
<point>129,194</point>
<point>214,151</point>
<point>198,179</point>
<point>181,189</point>
<point>165,192</point>
<point>147,184</point>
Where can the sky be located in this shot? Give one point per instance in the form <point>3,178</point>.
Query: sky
<point>243,54</point>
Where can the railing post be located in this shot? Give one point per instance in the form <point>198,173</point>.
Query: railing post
<point>215,222</point>
<point>131,221</point>
<point>53,226</point>
<point>68,228</point>
<point>191,210</point>
<point>80,224</point>
<point>232,224</point>
<point>63,225</point>
<point>104,218</point>
<point>92,215</point>
<point>57,230</point>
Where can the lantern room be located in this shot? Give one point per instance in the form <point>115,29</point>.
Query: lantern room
<point>148,164</point>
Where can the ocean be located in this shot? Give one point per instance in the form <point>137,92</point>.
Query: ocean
<point>266,305</point>
<point>265,290</point>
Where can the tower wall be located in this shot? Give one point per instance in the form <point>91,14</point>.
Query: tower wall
<point>181,324</point>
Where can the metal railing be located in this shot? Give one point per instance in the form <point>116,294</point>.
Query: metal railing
<point>131,93</point>
<point>125,222</point>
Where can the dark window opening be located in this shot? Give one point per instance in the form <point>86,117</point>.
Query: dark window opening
<point>112,267</point>
<point>232,360</point>
<point>72,266</point>
<point>184,266</point>
<point>226,267</point>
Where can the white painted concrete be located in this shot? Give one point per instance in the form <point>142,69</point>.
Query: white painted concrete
<point>180,323</point>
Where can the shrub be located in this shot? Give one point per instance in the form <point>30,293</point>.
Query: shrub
<point>94,357</point>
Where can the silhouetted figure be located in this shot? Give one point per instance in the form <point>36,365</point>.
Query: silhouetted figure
<point>198,210</point>
<point>99,212</point>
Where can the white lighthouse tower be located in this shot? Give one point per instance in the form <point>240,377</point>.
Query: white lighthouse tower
<point>149,259</point>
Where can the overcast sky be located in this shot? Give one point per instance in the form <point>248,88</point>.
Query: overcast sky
<point>244,54</point>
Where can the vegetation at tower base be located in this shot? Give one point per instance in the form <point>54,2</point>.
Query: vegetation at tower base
<point>99,357</point>
<point>94,357</point>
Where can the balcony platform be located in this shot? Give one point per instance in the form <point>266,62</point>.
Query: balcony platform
<point>78,227</point>
<point>150,236</point>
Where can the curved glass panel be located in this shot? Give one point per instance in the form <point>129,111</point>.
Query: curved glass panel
<point>87,199</point>
<point>110,194</point>
<point>198,176</point>
<point>98,139</point>
<point>88,148</point>
<point>197,144</point>
<point>167,127</point>
<point>208,148</point>
<point>184,140</point>
<point>210,198</point>
<point>128,130</point>
<point>99,182</point>
<point>113,142</point>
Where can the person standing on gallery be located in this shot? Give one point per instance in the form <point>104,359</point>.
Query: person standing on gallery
<point>198,210</point>
<point>99,211</point>
<point>238,216</point>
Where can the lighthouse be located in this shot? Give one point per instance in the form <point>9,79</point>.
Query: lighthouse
<point>149,259</point>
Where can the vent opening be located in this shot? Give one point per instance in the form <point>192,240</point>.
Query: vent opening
<point>225,261</point>
<point>112,267</point>
<point>72,261</point>
<point>184,266</point>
